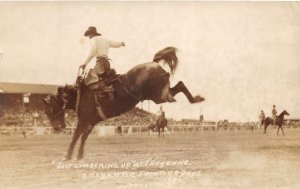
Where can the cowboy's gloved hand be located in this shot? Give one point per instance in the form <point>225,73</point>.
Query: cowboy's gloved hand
<point>82,66</point>
<point>123,44</point>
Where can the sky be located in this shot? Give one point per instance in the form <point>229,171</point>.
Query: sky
<point>243,57</point>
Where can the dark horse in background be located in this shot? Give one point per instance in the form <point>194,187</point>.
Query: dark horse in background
<point>161,123</point>
<point>148,81</point>
<point>279,121</point>
<point>158,126</point>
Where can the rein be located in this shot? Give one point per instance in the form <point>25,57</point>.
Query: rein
<point>80,77</point>
<point>56,115</point>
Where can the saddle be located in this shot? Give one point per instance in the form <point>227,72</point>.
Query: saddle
<point>104,84</point>
<point>101,84</point>
<point>94,81</point>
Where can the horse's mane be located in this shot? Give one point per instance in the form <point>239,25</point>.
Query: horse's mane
<point>69,94</point>
<point>167,54</point>
<point>282,113</point>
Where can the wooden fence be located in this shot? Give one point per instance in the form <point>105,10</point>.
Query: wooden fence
<point>128,129</point>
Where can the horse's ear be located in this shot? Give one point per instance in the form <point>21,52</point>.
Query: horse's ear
<point>59,90</point>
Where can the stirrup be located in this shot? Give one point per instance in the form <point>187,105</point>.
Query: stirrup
<point>107,89</point>
<point>99,93</point>
<point>110,96</point>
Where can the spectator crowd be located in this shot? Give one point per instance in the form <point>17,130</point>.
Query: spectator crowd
<point>17,116</point>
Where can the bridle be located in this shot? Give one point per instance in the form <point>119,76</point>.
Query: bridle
<point>56,115</point>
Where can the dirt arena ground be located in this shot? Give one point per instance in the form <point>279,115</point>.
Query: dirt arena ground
<point>181,160</point>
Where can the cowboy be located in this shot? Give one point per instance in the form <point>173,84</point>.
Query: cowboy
<point>261,118</point>
<point>99,49</point>
<point>160,112</point>
<point>274,112</point>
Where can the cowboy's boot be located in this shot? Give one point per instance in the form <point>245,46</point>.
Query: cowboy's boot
<point>107,90</point>
<point>104,90</point>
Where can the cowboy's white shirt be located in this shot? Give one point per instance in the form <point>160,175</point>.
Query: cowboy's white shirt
<point>100,46</point>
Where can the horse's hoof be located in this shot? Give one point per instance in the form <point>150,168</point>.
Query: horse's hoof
<point>67,158</point>
<point>198,99</point>
<point>79,158</point>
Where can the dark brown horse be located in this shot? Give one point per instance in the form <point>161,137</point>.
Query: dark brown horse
<point>158,126</point>
<point>279,121</point>
<point>161,123</point>
<point>146,81</point>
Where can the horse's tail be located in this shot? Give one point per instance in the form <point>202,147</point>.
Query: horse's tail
<point>167,54</point>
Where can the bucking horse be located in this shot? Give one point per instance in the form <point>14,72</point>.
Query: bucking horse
<point>147,81</point>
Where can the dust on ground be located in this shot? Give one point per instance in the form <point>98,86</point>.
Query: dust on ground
<point>180,160</point>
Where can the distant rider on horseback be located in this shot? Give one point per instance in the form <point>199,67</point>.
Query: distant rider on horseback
<point>261,118</point>
<point>160,114</point>
<point>274,112</point>
<point>99,49</point>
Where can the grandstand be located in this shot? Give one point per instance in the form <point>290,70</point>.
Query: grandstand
<point>21,108</point>
<point>16,95</point>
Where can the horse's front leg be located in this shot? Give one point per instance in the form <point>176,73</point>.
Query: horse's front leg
<point>158,132</point>
<point>282,130</point>
<point>84,136</point>
<point>77,133</point>
<point>180,87</point>
<point>265,129</point>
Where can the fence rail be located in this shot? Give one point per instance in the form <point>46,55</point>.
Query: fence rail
<point>128,129</point>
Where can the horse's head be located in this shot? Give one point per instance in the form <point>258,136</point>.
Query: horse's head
<point>55,111</point>
<point>285,113</point>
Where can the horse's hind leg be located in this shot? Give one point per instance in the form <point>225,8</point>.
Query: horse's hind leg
<point>180,87</point>
<point>282,130</point>
<point>278,130</point>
